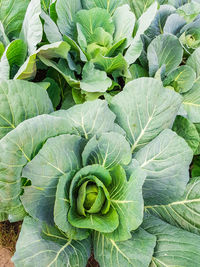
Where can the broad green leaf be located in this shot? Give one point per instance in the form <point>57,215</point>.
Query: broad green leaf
<point>21,144</point>
<point>146,19</point>
<point>74,47</point>
<point>126,198</point>
<point>124,21</point>
<point>165,50</point>
<point>63,69</point>
<point>140,6</point>
<point>20,101</point>
<point>184,212</point>
<point>88,119</point>
<point>194,62</point>
<point>174,247</point>
<point>66,11</point>
<point>4,67</point>
<point>134,252</point>
<point>50,28</point>
<point>111,64</point>
<point>136,46</point>
<point>54,91</point>
<point>91,19</point>
<point>108,150</point>
<point>2,49</point>
<point>134,51</point>
<point>31,31</point>
<point>110,5</point>
<point>94,80</point>
<point>166,161</point>
<point>3,37</point>
<point>189,11</point>
<point>191,103</point>
<point>61,210</point>
<point>28,70</point>
<point>157,26</point>
<point>16,52</point>
<point>136,72</point>
<point>46,52</point>
<point>18,147</point>
<point>182,79</point>
<point>49,247</point>
<point>186,129</point>
<point>12,13</point>
<point>44,172</point>
<point>174,24</point>
<point>195,168</point>
<point>142,108</point>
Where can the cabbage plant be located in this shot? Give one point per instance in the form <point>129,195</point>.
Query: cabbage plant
<point>82,178</point>
<point>171,54</point>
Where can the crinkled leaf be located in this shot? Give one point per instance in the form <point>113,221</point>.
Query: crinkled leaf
<point>142,108</point>
<point>49,247</point>
<point>165,50</point>
<point>108,150</point>
<point>137,251</point>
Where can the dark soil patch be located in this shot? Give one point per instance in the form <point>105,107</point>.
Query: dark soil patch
<point>9,233</point>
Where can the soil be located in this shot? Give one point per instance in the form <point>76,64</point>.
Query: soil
<point>9,233</point>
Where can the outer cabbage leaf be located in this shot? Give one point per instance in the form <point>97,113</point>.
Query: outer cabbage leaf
<point>137,251</point>
<point>12,13</point>
<point>186,129</point>
<point>21,100</point>
<point>22,143</point>
<point>184,212</point>
<point>166,161</point>
<point>49,246</point>
<point>174,246</point>
<point>31,31</point>
<point>164,50</point>
<point>66,11</point>
<point>142,108</point>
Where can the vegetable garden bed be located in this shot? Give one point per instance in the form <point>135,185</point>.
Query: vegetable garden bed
<point>99,133</point>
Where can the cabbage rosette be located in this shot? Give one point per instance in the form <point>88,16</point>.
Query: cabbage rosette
<point>82,177</point>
